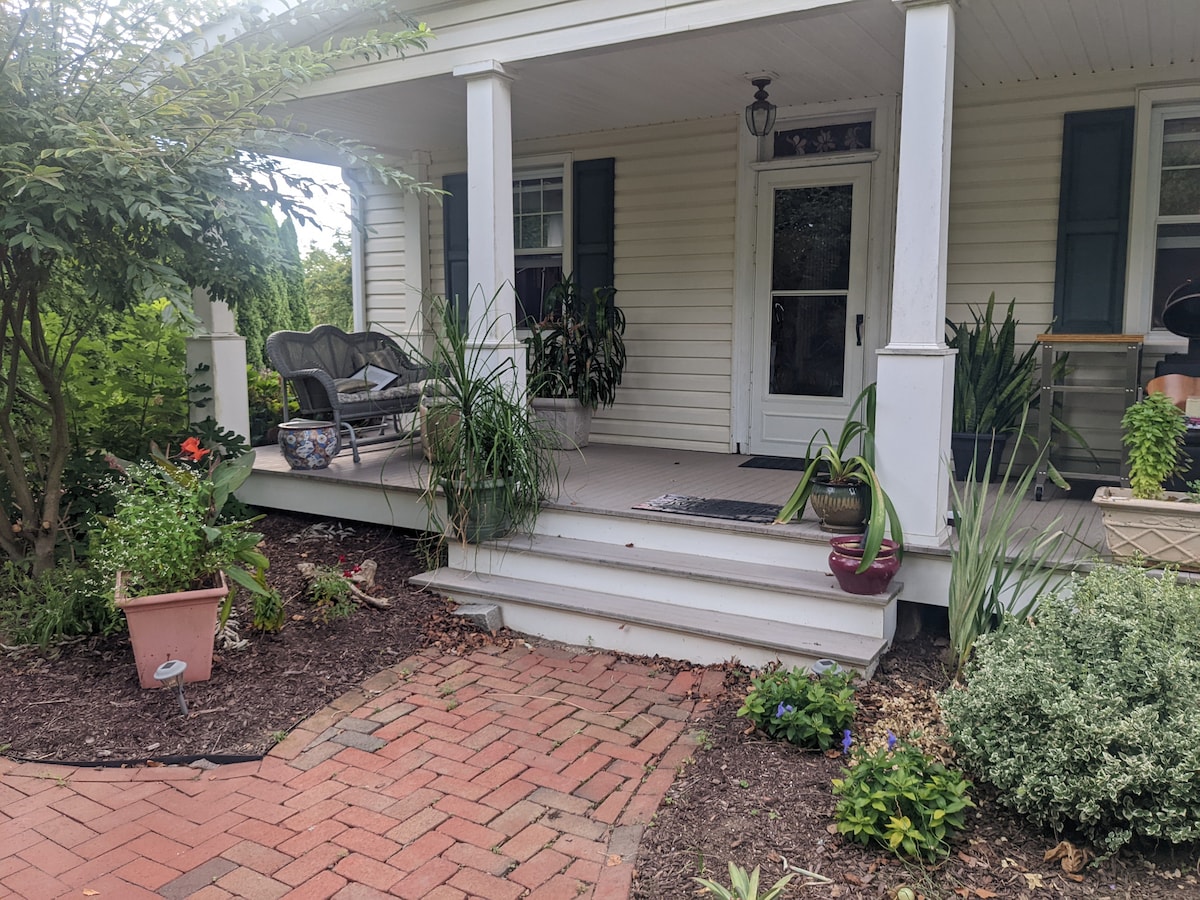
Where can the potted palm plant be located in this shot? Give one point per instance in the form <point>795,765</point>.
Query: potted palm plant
<point>843,487</point>
<point>1143,520</point>
<point>172,553</point>
<point>576,360</point>
<point>485,456</point>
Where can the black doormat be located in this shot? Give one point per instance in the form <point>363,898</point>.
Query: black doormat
<point>739,510</point>
<point>788,463</point>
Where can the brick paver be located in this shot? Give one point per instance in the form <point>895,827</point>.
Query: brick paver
<point>508,773</point>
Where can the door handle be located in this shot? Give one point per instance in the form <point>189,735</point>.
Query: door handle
<point>858,324</point>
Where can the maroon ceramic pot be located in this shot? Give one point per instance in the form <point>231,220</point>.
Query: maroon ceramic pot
<point>845,557</point>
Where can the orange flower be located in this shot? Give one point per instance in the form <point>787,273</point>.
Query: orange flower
<point>191,448</point>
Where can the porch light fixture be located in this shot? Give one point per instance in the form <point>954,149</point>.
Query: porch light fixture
<point>760,115</point>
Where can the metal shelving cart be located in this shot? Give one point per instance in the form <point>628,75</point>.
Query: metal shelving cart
<point>1051,345</point>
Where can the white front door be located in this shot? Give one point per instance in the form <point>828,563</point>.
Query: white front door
<point>809,304</point>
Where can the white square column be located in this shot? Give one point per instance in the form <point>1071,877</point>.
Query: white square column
<point>916,370</point>
<point>491,267</point>
<point>217,345</point>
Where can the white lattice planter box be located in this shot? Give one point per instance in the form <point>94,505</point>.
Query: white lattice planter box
<point>1165,531</point>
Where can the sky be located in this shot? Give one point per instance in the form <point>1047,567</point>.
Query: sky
<point>332,209</point>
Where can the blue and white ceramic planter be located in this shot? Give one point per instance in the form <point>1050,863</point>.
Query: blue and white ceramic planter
<point>308,444</point>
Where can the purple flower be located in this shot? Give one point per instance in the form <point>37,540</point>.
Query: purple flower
<point>891,742</point>
<point>847,741</point>
<point>783,708</point>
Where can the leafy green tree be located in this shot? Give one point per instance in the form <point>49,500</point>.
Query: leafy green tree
<point>297,317</point>
<point>137,148</point>
<point>329,284</point>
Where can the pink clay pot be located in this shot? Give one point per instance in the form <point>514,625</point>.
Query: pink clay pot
<point>172,626</point>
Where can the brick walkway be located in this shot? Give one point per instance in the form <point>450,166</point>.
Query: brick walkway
<point>505,774</point>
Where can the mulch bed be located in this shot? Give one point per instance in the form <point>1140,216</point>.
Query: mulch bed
<point>82,702</point>
<point>754,801</point>
<point>743,797</point>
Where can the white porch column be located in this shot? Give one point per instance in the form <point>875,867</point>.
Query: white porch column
<point>916,370</point>
<point>217,345</point>
<point>490,262</point>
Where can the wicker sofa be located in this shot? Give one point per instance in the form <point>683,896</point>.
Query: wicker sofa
<point>348,378</point>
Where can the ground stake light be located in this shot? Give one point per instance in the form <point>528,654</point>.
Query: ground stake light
<point>171,673</point>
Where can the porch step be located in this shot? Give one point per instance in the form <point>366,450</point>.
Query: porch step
<point>650,627</point>
<point>787,545</point>
<point>690,582</point>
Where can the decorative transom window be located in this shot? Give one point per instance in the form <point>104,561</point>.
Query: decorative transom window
<point>538,237</point>
<point>1175,201</point>
<point>827,137</point>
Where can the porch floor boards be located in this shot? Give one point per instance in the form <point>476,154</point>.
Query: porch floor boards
<point>609,479</point>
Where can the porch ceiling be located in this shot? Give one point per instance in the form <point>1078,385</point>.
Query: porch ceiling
<point>841,53</point>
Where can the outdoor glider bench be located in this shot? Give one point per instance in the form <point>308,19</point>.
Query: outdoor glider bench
<point>347,379</point>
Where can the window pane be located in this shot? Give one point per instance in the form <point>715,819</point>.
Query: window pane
<point>812,239</point>
<point>554,230</point>
<point>823,139</point>
<point>529,232</point>
<point>535,276</point>
<point>1177,258</point>
<point>552,198</point>
<point>1180,193</point>
<point>808,345</point>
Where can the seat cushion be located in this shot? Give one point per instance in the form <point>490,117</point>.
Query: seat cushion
<point>402,391</point>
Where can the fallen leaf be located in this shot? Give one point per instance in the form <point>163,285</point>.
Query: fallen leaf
<point>1073,877</point>
<point>832,829</point>
<point>1033,880</point>
<point>88,892</point>
<point>1073,859</point>
<point>613,860</point>
<point>985,894</point>
<point>853,879</point>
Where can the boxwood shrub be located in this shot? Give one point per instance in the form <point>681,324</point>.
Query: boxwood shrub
<point>1089,715</point>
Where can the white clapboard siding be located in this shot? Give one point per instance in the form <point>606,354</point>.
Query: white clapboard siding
<point>1004,191</point>
<point>387,261</point>
<point>675,187</point>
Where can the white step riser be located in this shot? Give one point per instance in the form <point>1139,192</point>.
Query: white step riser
<point>782,548</point>
<point>583,630</point>
<point>691,594</point>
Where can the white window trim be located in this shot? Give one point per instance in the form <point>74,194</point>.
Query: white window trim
<point>1152,107</point>
<point>553,165</point>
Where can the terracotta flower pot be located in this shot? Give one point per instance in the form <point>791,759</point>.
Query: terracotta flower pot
<point>172,626</point>
<point>846,556</point>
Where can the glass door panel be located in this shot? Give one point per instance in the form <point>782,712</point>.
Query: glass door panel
<point>809,303</point>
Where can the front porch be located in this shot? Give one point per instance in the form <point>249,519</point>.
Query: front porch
<point>598,571</point>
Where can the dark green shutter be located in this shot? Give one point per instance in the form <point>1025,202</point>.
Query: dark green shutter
<point>454,237</point>
<point>1093,222</point>
<point>593,251</point>
<point>593,182</point>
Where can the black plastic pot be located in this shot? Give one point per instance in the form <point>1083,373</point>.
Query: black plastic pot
<point>966,447</point>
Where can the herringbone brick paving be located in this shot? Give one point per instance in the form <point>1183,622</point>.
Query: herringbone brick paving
<point>503,774</point>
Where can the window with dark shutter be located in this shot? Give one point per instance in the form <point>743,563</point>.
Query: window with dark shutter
<point>1093,222</point>
<point>538,266</point>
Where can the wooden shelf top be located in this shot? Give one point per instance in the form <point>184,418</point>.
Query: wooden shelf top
<point>1091,338</point>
